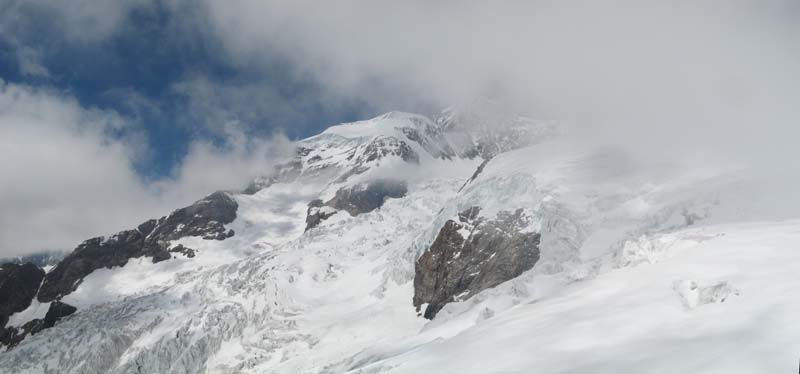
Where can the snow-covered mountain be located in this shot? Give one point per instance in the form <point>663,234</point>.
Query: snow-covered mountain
<point>474,241</point>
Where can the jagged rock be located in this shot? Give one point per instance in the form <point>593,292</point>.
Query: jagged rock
<point>12,336</point>
<point>431,138</point>
<point>355,200</point>
<point>147,227</point>
<point>317,212</point>
<point>366,197</point>
<point>205,218</point>
<point>186,251</point>
<point>475,175</point>
<point>472,255</point>
<point>379,148</point>
<point>57,311</point>
<point>18,286</point>
<point>91,255</point>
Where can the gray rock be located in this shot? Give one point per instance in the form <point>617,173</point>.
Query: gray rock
<point>12,336</point>
<point>18,286</point>
<point>56,312</point>
<point>379,148</point>
<point>205,218</point>
<point>366,197</point>
<point>475,175</point>
<point>471,255</point>
<point>315,215</point>
<point>355,200</point>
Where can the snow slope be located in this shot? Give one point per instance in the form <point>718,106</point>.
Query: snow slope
<point>631,320</point>
<point>625,247</point>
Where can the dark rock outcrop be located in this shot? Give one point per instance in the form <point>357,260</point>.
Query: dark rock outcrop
<point>91,255</point>
<point>366,197</point>
<point>475,175</point>
<point>379,148</point>
<point>19,283</point>
<point>57,311</point>
<point>12,336</point>
<point>205,218</point>
<point>384,146</point>
<point>431,138</point>
<point>317,213</point>
<point>355,200</point>
<point>186,251</point>
<point>471,255</point>
<point>18,286</point>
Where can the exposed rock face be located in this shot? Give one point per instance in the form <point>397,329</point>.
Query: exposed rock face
<point>366,197</point>
<point>475,175</point>
<point>12,336</point>
<point>379,148</point>
<point>186,251</point>
<point>91,255</point>
<point>473,254</point>
<point>384,146</point>
<point>355,200</point>
<point>205,218</point>
<point>317,212</point>
<point>57,311</point>
<point>18,286</point>
<point>431,138</point>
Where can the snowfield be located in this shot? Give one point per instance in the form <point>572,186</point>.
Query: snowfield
<point>643,269</point>
<point>631,320</point>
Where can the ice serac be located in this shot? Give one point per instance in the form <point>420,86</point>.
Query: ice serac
<point>471,254</point>
<point>205,218</point>
<point>18,286</point>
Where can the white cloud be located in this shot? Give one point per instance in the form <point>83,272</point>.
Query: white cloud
<point>65,178</point>
<point>695,80</point>
<point>720,75</point>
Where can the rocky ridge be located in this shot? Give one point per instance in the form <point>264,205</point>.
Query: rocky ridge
<point>20,284</point>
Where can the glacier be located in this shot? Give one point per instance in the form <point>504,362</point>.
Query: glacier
<point>616,234</point>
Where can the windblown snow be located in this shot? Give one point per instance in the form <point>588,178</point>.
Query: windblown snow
<point>643,269</point>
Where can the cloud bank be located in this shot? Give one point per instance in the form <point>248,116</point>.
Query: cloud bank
<point>68,171</point>
<point>695,81</point>
<point>713,74</point>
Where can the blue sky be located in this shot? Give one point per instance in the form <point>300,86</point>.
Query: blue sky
<point>140,69</point>
<point>116,111</point>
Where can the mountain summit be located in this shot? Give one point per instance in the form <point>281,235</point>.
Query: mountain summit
<point>472,241</point>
